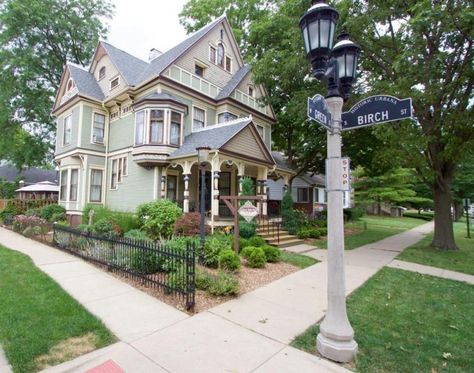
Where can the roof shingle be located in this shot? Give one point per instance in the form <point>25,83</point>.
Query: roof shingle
<point>85,82</point>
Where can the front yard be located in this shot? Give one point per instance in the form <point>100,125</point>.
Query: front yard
<point>41,325</point>
<point>461,260</point>
<point>407,322</point>
<point>369,229</point>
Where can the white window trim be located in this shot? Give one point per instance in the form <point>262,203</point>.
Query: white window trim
<point>111,80</point>
<point>60,198</point>
<point>231,63</point>
<point>99,78</point>
<point>263,132</point>
<point>251,87</point>
<point>96,168</point>
<point>180,142</point>
<point>111,172</point>
<point>69,184</point>
<point>64,130</point>
<point>205,117</point>
<point>124,159</point>
<point>215,48</point>
<point>67,85</point>
<point>94,112</point>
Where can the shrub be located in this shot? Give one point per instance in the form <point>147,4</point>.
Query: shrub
<point>125,221</point>
<point>353,213</point>
<point>426,217</point>
<point>257,241</point>
<point>85,228</point>
<point>10,210</point>
<point>224,284</point>
<point>243,243</point>
<point>323,231</point>
<point>229,260</point>
<point>30,225</point>
<point>245,252</point>
<point>33,212</point>
<point>309,233</point>
<point>157,218</point>
<point>271,253</point>
<point>59,216</point>
<point>136,234</point>
<point>247,230</point>
<point>146,262</point>
<point>288,214</point>
<point>257,258</point>
<point>103,226</point>
<point>190,225</point>
<point>212,248</point>
<point>48,211</point>
<point>203,279</point>
<point>176,280</point>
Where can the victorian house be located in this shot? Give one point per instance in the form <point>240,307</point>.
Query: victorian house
<point>128,129</point>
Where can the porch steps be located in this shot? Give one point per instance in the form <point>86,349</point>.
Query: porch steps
<point>286,239</point>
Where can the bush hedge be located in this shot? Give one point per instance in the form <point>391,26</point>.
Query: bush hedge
<point>229,260</point>
<point>157,218</point>
<point>272,254</point>
<point>257,241</point>
<point>427,217</point>
<point>353,213</point>
<point>247,230</point>
<point>190,225</point>
<point>213,247</point>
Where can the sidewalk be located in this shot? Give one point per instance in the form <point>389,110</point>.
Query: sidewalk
<point>248,334</point>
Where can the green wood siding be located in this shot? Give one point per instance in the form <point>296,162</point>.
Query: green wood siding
<point>60,149</point>
<point>86,137</point>
<point>121,133</point>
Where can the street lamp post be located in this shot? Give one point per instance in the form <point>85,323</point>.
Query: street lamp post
<point>203,156</point>
<point>336,66</point>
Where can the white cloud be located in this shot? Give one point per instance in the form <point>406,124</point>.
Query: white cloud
<point>139,25</point>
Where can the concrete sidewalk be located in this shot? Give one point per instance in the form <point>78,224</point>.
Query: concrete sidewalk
<point>248,334</point>
<point>432,271</point>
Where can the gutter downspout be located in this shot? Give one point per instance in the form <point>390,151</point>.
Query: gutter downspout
<point>106,153</point>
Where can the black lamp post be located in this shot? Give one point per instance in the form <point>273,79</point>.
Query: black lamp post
<point>337,66</point>
<point>203,156</point>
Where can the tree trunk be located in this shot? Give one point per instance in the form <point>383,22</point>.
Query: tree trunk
<point>458,211</point>
<point>443,230</point>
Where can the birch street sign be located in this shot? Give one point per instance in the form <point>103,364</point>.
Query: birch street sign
<point>248,211</point>
<point>345,174</point>
<point>318,111</point>
<point>376,109</point>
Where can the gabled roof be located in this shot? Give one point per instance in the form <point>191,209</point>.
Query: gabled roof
<point>42,186</point>
<point>161,97</point>
<point>212,136</point>
<point>29,176</point>
<point>160,63</point>
<point>281,161</point>
<point>234,82</point>
<point>313,179</point>
<point>130,67</point>
<point>85,82</point>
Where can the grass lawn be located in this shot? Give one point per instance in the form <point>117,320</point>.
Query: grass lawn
<point>408,322</point>
<point>461,260</point>
<point>36,315</point>
<point>298,260</point>
<point>371,229</point>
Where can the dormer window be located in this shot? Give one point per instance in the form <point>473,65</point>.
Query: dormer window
<point>251,91</point>
<point>199,70</point>
<point>220,54</point>
<point>102,72</point>
<point>212,54</point>
<point>228,63</point>
<point>114,82</point>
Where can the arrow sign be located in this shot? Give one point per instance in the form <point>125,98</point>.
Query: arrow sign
<point>318,111</point>
<point>376,109</point>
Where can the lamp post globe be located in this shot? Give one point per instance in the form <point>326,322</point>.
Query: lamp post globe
<point>318,26</point>
<point>346,53</point>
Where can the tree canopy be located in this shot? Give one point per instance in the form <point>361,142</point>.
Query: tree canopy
<point>37,37</point>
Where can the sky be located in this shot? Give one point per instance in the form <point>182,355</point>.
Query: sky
<point>139,25</point>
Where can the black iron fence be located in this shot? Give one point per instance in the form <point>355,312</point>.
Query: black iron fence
<point>162,266</point>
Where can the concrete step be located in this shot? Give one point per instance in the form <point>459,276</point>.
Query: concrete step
<point>273,234</point>
<point>287,243</point>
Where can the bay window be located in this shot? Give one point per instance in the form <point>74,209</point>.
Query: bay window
<point>74,184</point>
<point>140,128</point>
<point>95,193</point>
<point>175,128</point>
<point>99,128</point>
<point>156,126</point>
<point>63,190</point>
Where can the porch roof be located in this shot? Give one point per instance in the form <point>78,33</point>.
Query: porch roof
<point>214,137</point>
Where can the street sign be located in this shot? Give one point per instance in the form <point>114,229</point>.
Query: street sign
<point>376,109</point>
<point>248,211</point>
<point>318,111</point>
<point>346,174</point>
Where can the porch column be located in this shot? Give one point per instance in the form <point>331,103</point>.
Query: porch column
<point>215,193</point>
<point>186,193</point>
<point>262,189</point>
<point>164,174</point>
<point>240,176</point>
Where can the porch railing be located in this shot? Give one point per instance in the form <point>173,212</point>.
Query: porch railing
<point>154,264</point>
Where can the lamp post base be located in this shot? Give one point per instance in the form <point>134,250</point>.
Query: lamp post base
<point>340,351</point>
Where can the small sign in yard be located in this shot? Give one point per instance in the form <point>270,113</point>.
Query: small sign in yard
<point>376,109</point>
<point>248,211</point>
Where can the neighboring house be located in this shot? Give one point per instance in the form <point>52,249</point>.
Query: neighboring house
<point>127,129</point>
<point>41,190</point>
<point>29,176</point>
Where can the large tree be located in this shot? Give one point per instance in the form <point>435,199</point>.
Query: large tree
<point>422,49</point>
<point>37,37</point>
